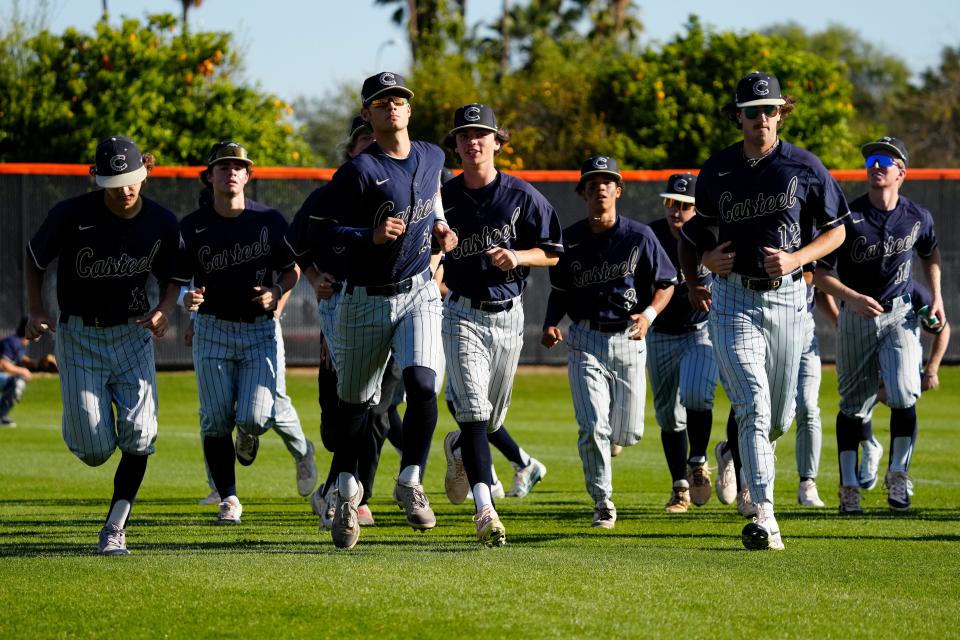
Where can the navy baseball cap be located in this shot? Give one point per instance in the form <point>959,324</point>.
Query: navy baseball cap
<point>228,150</point>
<point>384,83</point>
<point>888,145</point>
<point>471,116</point>
<point>757,89</point>
<point>356,124</point>
<point>597,165</point>
<point>119,163</point>
<point>681,186</point>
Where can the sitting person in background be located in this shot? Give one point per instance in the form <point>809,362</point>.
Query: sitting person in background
<point>14,375</point>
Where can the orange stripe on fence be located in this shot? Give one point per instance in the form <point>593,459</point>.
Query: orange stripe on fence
<point>310,173</point>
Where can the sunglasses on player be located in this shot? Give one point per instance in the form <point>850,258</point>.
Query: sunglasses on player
<point>879,160</point>
<point>753,113</point>
<point>670,203</point>
<point>380,103</point>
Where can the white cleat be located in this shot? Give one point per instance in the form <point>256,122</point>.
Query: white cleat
<point>306,472</point>
<point>604,515</point>
<point>212,499</point>
<point>726,475</point>
<point>764,532</point>
<point>490,531</point>
<point>526,478</point>
<point>230,511</point>
<point>807,494</point>
<point>113,541</point>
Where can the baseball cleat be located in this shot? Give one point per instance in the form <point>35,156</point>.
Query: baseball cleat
<point>899,490</point>
<point>306,472</point>
<point>869,471</point>
<point>726,474</point>
<point>230,511</point>
<point>604,515</point>
<point>365,516</point>
<point>745,506</point>
<point>615,450</point>
<point>679,501</point>
<point>416,505</point>
<point>455,482</point>
<point>698,477</point>
<point>324,504</point>
<point>807,494</point>
<point>764,532</point>
<point>7,423</point>
<point>212,499</point>
<point>496,490</point>
<point>246,446</point>
<point>113,541</point>
<point>345,528</point>
<point>850,501</point>
<point>490,530</point>
<point>525,479</point>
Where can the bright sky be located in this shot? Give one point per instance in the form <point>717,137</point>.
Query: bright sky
<point>309,47</point>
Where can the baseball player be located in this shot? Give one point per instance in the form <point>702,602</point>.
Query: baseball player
<point>504,227</point>
<point>761,198</point>
<point>921,299</point>
<point>680,363</point>
<point>878,336</point>
<point>14,376</point>
<point>233,247</point>
<point>107,243</point>
<point>382,206</point>
<point>613,279</point>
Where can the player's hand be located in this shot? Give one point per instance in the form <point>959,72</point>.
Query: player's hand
<point>445,236</point>
<point>936,311</point>
<point>39,324</point>
<point>323,285</point>
<point>267,297</point>
<point>193,298</point>
<point>188,334</point>
<point>929,380</point>
<point>864,306</point>
<point>156,321</point>
<point>779,263</point>
<point>551,337</point>
<point>503,259</point>
<point>699,296</point>
<point>719,259</point>
<point>640,327</point>
<point>389,230</point>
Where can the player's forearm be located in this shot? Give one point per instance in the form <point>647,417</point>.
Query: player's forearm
<point>288,280</point>
<point>689,262</point>
<point>827,305</point>
<point>661,297</point>
<point>556,308</point>
<point>822,245</point>
<point>938,349</point>
<point>931,269</point>
<point>537,257</point>
<point>831,285</point>
<point>34,284</point>
<point>169,294</point>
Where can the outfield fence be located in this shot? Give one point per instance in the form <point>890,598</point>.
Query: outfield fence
<point>28,191</point>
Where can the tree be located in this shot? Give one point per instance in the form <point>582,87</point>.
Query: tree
<point>185,6</point>
<point>429,23</point>
<point>171,93</point>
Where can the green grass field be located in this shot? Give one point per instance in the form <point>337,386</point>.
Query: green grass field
<point>654,575</point>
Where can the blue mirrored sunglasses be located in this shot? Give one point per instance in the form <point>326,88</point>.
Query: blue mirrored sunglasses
<point>879,160</point>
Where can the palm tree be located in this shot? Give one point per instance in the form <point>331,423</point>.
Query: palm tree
<point>186,5</point>
<point>423,18</point>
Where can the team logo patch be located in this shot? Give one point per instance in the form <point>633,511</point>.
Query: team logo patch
<point>600,162</point>
<point>471,114</point>
<point>388,79</point>
<point>680,186</point>
<point>761,87</point>
<point>118,163</point>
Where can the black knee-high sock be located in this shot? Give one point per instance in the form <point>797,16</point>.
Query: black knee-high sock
<point>733,443</point>
<point>675,451</point>
<point>849,432</point>
<point>420,419</point>
<point>699,425</point>
<point>354,419</point>
<point>221,459</point>
<point>903,424</point>
<point>505,444</point>
<point>475,447</point>
<point>127,479</point>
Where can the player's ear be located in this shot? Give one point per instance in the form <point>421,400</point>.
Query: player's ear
<point>365,114</point>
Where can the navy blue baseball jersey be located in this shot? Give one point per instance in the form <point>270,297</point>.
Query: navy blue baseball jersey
<point>12,349</point>
<point>311,247</point>
<point>608,276</point>
<point>789,190</point>
<point>678,312</point>
<point>104,259</point>
<point>507,213</point>
<point>365,191</point>
<point>875,258</point>
<point>231,256</point>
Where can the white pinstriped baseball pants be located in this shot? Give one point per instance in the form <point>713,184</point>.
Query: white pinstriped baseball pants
<point>100,369</point>
<point>758,339</point>
<point>608,383</point>
<point>683,375</point>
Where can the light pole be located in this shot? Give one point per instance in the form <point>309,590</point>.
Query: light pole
<point>383,45</point>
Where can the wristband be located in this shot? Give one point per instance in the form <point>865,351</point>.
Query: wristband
<point>650,314</point>
<point>514,255</point>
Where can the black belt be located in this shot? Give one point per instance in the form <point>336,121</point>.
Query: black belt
<point>768,284</point>
<point>614,326</point>
<point>678,330</point>
<point>230,316</point>
<point>100,322</point>
<point>492,306</point>
<point>389,289</point>
<point>889,302</point>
